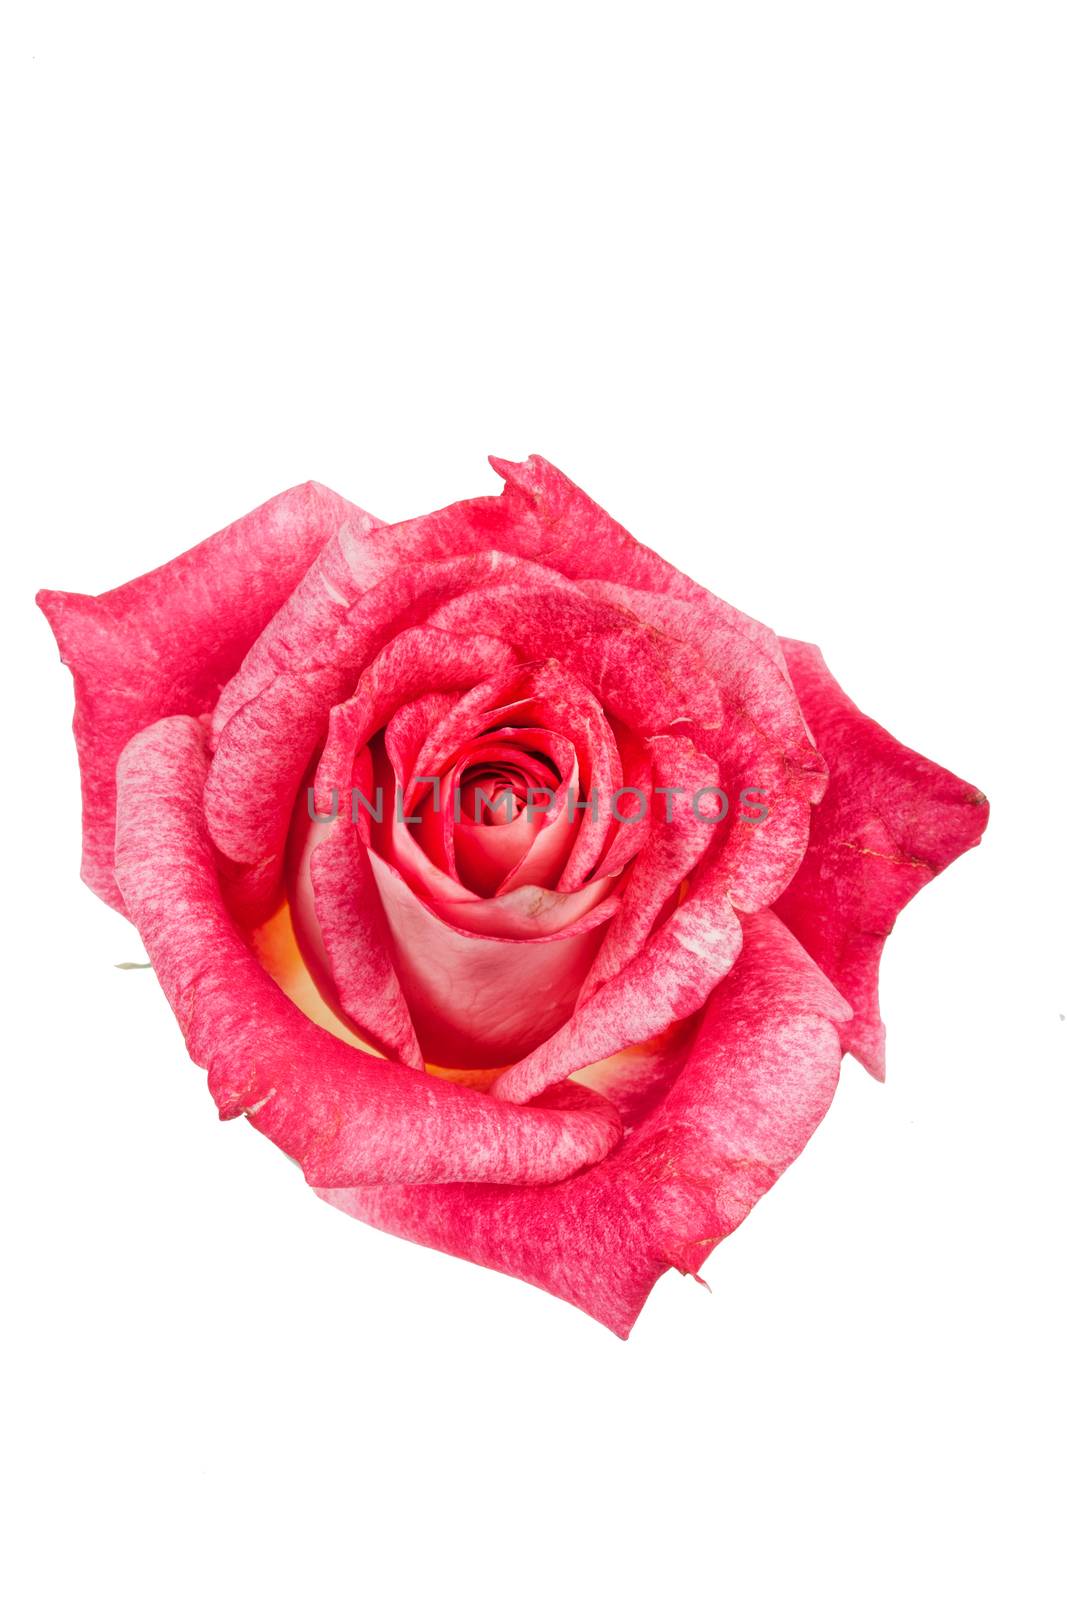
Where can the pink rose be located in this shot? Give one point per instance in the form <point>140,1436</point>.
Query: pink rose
<point>522,891</point>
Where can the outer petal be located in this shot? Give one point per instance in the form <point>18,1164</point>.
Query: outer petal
<point>890,821</point>
<point>314,626</point>
<point>760,1075</point>
<point>640,675</point>
<point>165,643</point>
<point>343,1115</point>
<point>578,537</point>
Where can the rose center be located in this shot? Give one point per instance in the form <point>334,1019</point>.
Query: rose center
<point>494,795</point>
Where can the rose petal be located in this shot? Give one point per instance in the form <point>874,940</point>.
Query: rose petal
<point>338,919</point>
<point>891,821</point>
<point>579,538</point>
<point>636,1079</point>
<point>640,675</point>
<point>763,745</point>
<point>681,836</point>
<point>312,612</point>
<point>311,628</point>
<point>670,978</point>
<point>481,999</point>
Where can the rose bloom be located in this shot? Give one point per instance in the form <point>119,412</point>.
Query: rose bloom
<point>423,828</point>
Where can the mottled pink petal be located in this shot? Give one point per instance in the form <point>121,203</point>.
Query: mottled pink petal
<point>891,821</point>
<point>763,747</point>
<point>670,978</point>
<point>631,805</point>
<point>315,609</point>
<point>743,657</point>
<point>636,1079</point>
<point>345,1116</point>
<point>579,538</point>
<point>164,643</point>
<point>681,835</point>
<point>759,1077</point>
<point>314,626</point>
<point>343,935</point>
<point>639,674</point>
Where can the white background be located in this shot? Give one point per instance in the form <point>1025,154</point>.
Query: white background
<point>782,286</point>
